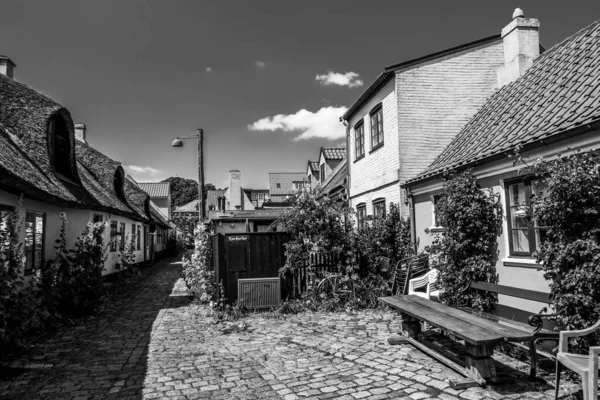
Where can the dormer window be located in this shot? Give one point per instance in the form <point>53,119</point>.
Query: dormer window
<point>118,182</point>
<point>59,142</point>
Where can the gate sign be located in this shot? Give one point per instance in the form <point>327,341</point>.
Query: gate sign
<point>243,238</point>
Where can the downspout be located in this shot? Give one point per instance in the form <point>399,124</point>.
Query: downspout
<point>413,226</point>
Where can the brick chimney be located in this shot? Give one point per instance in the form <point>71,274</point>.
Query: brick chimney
<point>6,66</point>
<point>80,132</point>
<point>235,190</point>
<point>521,47</point>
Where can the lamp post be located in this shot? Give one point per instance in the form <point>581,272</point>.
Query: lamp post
<point>178,142</point>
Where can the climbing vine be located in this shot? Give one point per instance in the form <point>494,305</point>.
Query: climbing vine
<point>467,248</point>
<point>198,273</point>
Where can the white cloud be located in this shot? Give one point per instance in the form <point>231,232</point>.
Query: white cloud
<point>209,69</point>
<point>260,64</point>
<point>349,79</point>
<point>142,174</point>
<point>323,124</point>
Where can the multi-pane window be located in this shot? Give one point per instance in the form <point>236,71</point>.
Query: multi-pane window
<point>113,236</point>
<point>379,208</point>
<point>5,214</point>
<point>254,196</point>
<point>139,237</point>
<point>436,211</point>
<point>279,186</point>
<point>133,236</point>
<point>261,196</point>
<point>377,127</point>
<point>322,178</point>
<point>34,240</point>
<point>297,185</point>
<point>122,237</point>
<point>359,141</point>
<point>525,236</point>
<point>361,213</point>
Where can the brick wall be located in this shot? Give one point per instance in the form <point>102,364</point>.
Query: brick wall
<point>435,100</point>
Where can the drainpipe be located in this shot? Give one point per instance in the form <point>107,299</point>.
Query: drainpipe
<point>413,226</point>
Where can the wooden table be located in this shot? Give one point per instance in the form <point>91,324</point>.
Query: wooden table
<point>479,334</point>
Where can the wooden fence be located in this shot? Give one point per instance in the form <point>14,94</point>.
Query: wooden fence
<point>312,271</point>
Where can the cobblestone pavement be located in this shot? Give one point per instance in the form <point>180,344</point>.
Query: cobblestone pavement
<point>152,344</point>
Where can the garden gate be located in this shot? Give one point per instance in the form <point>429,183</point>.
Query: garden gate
<point>248,255</point>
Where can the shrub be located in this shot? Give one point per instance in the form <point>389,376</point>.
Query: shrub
<point>384,237</point>
<point>570,253</point>
<point>467,249</point>
<point>72,283</point>
<point>197,270</point>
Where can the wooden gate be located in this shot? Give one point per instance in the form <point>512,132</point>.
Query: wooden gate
<point>248,255</point>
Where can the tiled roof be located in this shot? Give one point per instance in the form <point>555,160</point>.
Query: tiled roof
<point>561,91</point>
<point>285,180</point>
<point>156,189</point>
<point>189,207</point>
<point>314,166</point>
<point>334,153</point>
<point>212,197</point>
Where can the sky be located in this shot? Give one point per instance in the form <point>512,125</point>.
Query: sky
<point>265,79</point>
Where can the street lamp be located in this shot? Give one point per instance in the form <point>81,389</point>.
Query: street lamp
<point>178,142</point>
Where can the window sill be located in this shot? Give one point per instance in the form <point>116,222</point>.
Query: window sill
<point>436,229</point>
<point>521,263</point>
<point>360,157</point>
<point>380,145</point>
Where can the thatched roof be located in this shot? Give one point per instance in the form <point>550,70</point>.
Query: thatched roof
<point>25,165</point>
<point>158,216</point>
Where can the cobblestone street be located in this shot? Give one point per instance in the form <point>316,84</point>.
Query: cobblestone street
<point>151,343</point>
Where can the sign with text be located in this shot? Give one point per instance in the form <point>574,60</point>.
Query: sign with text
<point>243,238</point>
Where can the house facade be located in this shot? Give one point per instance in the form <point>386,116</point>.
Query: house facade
<point>409,114</point>
<point>548,104</point>
<point>51,175</point>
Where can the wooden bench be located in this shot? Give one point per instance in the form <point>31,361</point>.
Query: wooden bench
<point>480,331</point>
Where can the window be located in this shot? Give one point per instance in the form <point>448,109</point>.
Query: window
<point>261,196</point>
<point>359,140</point>
<point>113,236</point>
<point>377,127</point>
<point>122,237</point>
<point>379,208</point>
<point>525,236</point>
<point>297,185</point>
<point>322,173</point>
<point>436,211</point>
<point>309,179</point>
<point>279,186</point>
<point>133,236</point>
<point>139,237</point>
<point>59,143</point>
<point>254,196</point>
<point>5,213</point>
<point>34,240</point>
<point>361,213</point>
<point>98,218</point>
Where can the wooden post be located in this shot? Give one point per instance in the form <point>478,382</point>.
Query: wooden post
<point>411,327</point>
<point>201,208</point>
<point>479,362</point>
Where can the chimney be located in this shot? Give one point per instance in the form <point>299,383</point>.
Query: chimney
<point>235,190</point>
<point>80,132</point>
<point>521,47</point>
<point>6,66</point>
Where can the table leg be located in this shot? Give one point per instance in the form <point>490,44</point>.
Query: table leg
<point>411,327</point>
<point>479,362</point>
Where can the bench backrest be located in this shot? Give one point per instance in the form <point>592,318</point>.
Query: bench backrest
<point>512,291</point>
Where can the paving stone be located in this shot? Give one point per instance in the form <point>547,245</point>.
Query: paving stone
<point>149,342</point>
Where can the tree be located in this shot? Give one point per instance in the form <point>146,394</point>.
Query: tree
<point>184,190</point>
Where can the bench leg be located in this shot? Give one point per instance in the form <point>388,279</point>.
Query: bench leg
<point>479,362</point>
<point>410,326</point>
<point>533,370</point>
